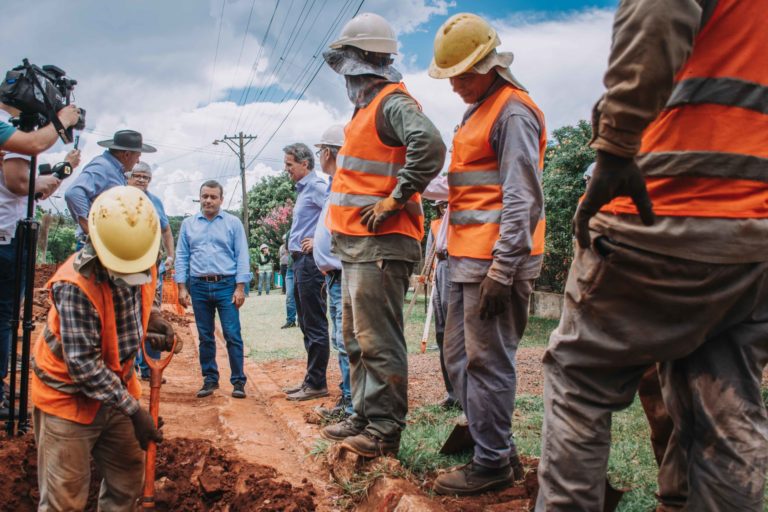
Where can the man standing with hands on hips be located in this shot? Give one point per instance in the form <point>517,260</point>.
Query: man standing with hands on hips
<point>212,260</point>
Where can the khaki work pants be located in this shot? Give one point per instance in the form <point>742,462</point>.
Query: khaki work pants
<point>372,296</point>
<point>64,449</point>
<point>708,324</point>
<point>480,358</point>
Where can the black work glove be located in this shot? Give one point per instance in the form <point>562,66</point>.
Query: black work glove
<point>494,298</point>
<point>144,428</point>
<point>160,333</point>
<point>613,176</point>
<point>374,215</point>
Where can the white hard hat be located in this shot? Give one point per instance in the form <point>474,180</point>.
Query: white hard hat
<point>369,32</point>
<point>333,136</point>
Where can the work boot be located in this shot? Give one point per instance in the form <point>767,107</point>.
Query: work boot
<point>288,325</point>
<point>207,389</point>
<point>337,412</point>
<point>239,391</point>
<point>473,478</point>
<point>370,446</point>
<point>289,390</point>
<point>342,430</point>
<point>307,393</point>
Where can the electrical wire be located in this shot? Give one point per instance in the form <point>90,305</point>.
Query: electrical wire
<point>216,53</point>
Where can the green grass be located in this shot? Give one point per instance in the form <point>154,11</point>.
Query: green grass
<point>428,427</point>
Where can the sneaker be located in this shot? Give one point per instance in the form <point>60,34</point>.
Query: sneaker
<point>288,325</point>
<point>207,389</point>
<point>341,430</point>
<point>239,391</point>
<point>337,412</point>
<point>473,478</point>
<point>371,446</point>
<point>307,393</point>
<point>289,390</point>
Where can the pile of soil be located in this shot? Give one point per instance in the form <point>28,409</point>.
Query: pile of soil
<point>41,304</point>
<point>174,318</point>
<point>192,475</point>
<point>43,272</point>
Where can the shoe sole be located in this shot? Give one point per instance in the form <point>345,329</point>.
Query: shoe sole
<point>369,455</point>
<point>203,394</point>
<point>238,395</point>
<point>304,398</point>
<point>499,484</point>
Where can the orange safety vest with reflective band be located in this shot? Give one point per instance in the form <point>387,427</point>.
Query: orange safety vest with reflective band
<point>474,182</point>
<point>366,173</point>
<point>706,154</point>
<point>52,389</point>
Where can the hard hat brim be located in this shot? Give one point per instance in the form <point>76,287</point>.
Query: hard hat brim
<point>117,264</point>
<point>462,67</point>
<point>369,44</point>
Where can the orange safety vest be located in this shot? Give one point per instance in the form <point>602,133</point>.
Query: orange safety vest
<point>434,226</point>
<point>474,182</point>
<point>367,172</point>
<point>706,154</point>
<point>52,389</point>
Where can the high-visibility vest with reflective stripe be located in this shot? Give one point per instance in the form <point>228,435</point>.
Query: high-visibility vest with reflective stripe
<point>52,389</point>
<point>366,173</point>
<point>706,154</point>
<point>474,181</point>
<point>434,226</point>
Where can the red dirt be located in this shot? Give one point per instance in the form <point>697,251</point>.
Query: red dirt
<point>192,475</point>
<point>43,272</point>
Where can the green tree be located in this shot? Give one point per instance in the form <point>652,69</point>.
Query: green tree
<point>61,243</point>
<point>567,157</point>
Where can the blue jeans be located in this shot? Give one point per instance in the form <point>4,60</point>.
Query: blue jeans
<point>290,302</point>
<point>207,298</point>
<point>264,283</point>
<point>337,336</point>
<point>7,276</point>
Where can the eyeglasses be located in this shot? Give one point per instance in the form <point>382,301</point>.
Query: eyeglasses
<point>319,152</point>
<point>140,177</point>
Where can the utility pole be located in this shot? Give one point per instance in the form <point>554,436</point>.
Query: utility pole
<point>237,144</point>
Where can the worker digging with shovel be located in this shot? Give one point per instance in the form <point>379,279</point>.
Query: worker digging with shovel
<point>84,388</point>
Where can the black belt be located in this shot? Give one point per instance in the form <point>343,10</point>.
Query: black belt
<point>296,255</point>
<point>335,277</point>
<point>213,278</point>
<point>441,255</point>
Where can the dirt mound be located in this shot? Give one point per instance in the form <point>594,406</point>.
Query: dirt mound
<point>192,475</point>
<point>43,272</point>
<point>174,318</point>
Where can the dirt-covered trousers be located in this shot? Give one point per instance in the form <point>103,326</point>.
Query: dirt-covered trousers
<point>372,295</point>
<point>64,451</point>
<point>708,323</point>
<point>480,358</point>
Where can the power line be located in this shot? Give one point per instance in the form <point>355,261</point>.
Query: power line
<point>216,53</point>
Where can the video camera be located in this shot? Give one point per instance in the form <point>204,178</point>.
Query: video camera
<point>39,93</point>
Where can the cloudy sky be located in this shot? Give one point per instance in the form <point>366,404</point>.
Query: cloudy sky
<point>185,73</point>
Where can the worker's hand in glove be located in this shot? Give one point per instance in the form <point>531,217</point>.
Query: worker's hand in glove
<point>494,298</point>
<point>374,215</point>
<point>144,428</point>
<point>613,176</point>
<point>160,333</point>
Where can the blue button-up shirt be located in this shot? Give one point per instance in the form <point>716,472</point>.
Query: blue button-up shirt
<point>312,191</point>
<point>102,173</point>
<point>160,209</point>
<point>324,259</point>
<point>212,247</point>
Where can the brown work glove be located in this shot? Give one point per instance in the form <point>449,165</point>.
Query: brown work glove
<point>614,176</point>
<point>160,333</point>
<point>144,428</point>
<point>374,215</point>
<point>494,298</point>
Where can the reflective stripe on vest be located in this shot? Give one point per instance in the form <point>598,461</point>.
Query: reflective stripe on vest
<point>706,154</point>
<point>367,173</point>
<point>474,181</point>
<point>52,389</point>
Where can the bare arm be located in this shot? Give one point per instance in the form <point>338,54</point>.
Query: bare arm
<point>32,143</point>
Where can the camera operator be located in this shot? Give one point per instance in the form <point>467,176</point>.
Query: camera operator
<point>102,173</point>
<point>34,142</point>
<point>14,187</point>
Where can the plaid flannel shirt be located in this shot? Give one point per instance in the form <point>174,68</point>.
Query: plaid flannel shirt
<point>81,341</point>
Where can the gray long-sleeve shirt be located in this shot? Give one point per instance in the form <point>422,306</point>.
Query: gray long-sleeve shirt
<point>515,139</point>
<point>399,122</point>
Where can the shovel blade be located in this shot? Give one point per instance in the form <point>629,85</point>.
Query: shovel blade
<point>459,440</point>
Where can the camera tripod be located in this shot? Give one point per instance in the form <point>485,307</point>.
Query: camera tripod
<point>26,251</point>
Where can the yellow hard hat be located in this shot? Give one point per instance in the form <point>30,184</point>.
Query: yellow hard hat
<point>460,43</point>
<point>125,230</point>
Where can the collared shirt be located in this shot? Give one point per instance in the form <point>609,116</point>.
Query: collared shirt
<point>321,249</point>
<point>102,173</point>
<point>81,341</point>
<point>212,247</point>
<point>311,192</point>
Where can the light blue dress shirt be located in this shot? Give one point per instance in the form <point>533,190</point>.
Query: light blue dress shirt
<point>102,173</point>
<point>324,259</point>
<point>160,209</point>
<point>212,247</point>
<point>312,191</point>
